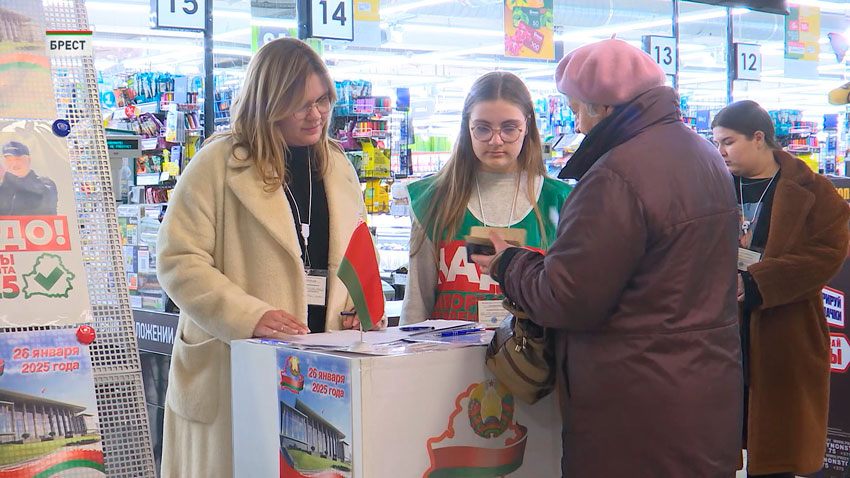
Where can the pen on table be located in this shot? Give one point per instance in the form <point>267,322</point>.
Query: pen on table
<point>454,327</point>
<point>413,328</point>
<point>348,314</point>
<point>460,332</point>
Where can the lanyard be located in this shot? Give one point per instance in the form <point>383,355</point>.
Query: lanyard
<point>304,230</point>
<point>481,203</point>
<point>745,225</point>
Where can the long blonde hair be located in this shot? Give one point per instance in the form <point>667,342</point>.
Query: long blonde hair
<point>455,182</point>
<point>275,88</point>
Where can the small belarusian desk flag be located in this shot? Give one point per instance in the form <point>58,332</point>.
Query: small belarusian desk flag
<point>359,272</point>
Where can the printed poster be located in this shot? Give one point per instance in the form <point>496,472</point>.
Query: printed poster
<point>42,277</point>
<point>530,29</point>
<point>314,415</point>
<point>48,410</point>
<point>26,82</point>
<point>802,42</point>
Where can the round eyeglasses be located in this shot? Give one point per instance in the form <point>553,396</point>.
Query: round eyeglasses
<point>508,134</point>
<point>322,105</point>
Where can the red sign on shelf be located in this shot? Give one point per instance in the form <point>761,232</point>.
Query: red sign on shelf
<point>840,354</point>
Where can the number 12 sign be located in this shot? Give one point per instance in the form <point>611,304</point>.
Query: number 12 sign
<point>332,19</point>
<point>747,61</point>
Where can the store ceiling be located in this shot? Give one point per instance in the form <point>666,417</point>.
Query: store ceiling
<point>438,47</point>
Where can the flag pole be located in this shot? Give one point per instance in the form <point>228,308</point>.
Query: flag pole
<point>360,345</point>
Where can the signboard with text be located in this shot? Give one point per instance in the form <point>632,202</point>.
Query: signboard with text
<point>42,276</point>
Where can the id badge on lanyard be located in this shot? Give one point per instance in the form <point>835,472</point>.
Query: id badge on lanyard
<point>316,281</point>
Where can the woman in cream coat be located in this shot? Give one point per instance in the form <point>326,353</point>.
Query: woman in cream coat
<point>229,252</point>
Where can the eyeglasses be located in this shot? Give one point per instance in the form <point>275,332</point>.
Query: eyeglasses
<point>322,105</point>
<point>508,134</point>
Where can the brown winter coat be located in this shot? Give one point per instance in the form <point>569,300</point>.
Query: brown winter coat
<point>640,285</point>
<point>789,336</point>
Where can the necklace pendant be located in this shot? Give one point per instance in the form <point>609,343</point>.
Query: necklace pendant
<point>745,226</point>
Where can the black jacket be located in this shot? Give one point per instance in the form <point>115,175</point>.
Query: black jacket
<point>31,195</point>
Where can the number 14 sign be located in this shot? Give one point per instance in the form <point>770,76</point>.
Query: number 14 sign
<point>332,19</point>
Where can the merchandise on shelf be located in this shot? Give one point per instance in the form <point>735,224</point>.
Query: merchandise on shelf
<point>139,225</point>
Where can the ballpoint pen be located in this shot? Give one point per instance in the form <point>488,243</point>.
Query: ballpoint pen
<point>454,327</point>
<point>452,333</point>
<point>413,328</point>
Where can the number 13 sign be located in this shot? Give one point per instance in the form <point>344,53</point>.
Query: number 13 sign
<point>333,19</point>
<point>663,51</point>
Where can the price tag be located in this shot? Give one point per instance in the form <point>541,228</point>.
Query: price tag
<point>144,261</point>
<point>747,61</point>
<point>178,14</point>
<point>663,51</point>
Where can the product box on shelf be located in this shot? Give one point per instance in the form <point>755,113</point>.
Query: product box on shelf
<point>152,295</point>
<point>128,223</point>
<point>139,230</point>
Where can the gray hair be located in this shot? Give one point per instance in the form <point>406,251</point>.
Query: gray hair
<point>591,107</point>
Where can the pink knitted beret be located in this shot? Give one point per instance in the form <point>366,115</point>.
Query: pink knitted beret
<point>608,72</point>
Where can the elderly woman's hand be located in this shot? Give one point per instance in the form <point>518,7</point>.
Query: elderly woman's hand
<point>484,261</point>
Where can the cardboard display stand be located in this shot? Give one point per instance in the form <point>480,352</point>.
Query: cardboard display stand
<point>299,413</point>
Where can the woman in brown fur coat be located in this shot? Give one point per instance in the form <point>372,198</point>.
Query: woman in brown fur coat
<point>793,239</point>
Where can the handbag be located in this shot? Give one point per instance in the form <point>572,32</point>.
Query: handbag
<point>521,356</point>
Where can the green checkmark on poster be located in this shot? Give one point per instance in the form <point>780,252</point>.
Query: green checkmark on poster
<point>49,277</point>
<point>49,281</point>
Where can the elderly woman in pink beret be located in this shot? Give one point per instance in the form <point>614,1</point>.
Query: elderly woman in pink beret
<point>639,285</point>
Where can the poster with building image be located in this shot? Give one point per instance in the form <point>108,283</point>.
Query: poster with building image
<point>26,83</point>
<point>42,275</point>
<point>48,410</point>
<point>314,415</point>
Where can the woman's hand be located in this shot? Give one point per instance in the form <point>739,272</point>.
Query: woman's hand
<point>484,261</point>
<point>279,322</point>
<point>350,320</point>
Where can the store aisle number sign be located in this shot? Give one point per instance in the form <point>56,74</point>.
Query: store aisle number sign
<point>333,19</point>
<point>663,51</point>
<point>748,61</point>
<point>178,14</point>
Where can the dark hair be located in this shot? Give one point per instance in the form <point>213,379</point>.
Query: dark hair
<point>746,117</point>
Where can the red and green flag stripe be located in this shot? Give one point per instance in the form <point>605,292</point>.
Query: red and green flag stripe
<point>57,462</point>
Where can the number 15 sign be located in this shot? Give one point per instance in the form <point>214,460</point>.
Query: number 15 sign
<point>332,19</point>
